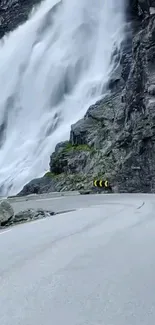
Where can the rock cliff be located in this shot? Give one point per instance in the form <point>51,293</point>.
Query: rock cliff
<point>13,13</point>
<point>116,138</point>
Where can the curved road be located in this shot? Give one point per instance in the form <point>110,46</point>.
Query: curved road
<point>94,265</point>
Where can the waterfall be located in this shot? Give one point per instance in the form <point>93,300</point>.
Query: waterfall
<point>52,68</point>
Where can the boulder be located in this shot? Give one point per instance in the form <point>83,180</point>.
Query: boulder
<point>38,186</point>
<point>6,212</point>
<point>11,219</point>
<point>30,215</point>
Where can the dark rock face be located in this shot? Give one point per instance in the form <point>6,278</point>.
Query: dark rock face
<point>13,13</point>
<point>116,138</point>
<point>37,186</point>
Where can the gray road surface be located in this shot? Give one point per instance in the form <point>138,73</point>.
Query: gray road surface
<point>94,266</point>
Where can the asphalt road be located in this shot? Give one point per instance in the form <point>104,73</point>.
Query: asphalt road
<point>94,266</point>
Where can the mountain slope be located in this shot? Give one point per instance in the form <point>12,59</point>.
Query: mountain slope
<point>116,138</point>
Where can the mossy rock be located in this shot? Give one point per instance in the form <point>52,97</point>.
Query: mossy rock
<point>82,147</point>
<point>50,174</point>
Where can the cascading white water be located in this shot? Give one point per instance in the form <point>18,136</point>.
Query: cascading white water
<point>52,68</point>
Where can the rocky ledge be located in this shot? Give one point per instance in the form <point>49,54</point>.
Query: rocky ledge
<point>116,138</point>
<point>9,218</point>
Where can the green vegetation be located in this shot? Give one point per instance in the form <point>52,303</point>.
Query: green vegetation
<point>49,174</point>
<point>54,175</point>
<point>81,147</point>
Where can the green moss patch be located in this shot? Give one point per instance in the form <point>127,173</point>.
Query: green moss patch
<point>82,147</point>
<point>49,174</point>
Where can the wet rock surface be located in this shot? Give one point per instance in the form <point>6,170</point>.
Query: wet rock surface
<point>15,12</point>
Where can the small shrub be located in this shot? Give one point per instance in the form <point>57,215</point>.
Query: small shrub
<point>81,147</point>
